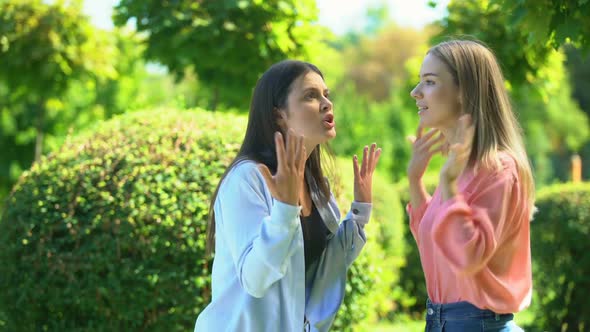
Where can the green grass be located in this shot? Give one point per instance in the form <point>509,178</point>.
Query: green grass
<point>524,318</point>
<point>407,326</point>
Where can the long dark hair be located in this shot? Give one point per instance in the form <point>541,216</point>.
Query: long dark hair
<point>270,94</point>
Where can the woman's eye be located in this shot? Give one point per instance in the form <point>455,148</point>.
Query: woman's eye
<point>429,82</point>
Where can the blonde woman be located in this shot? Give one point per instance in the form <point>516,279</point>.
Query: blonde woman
<point>473,232</point>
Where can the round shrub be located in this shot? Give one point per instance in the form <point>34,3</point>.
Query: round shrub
<point>108,233</point>
<point>372,292</point>
<point>560,244</point>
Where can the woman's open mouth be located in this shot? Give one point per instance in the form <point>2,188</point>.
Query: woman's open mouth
<point>329,121</point>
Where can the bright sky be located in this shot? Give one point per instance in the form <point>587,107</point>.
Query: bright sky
<point>339,15</point>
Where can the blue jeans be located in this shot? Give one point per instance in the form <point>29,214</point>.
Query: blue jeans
<point>465,317</point>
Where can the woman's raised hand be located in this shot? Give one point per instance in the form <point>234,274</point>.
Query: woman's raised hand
<point>287,182</point>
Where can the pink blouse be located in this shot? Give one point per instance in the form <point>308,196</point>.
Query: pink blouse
<point>475,246</point>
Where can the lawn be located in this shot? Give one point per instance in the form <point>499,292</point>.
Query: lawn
<point>409,326</point>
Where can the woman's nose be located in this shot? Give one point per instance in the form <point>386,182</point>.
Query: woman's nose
<point>327,105</point>
<point>416,93</point>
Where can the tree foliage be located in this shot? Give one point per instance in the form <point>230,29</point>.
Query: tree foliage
<point>44,48</point>
<point>535,73</point>
<point>522,32</point>
<point>227,43</point>
<point>550,21</point>
<point>490,22</point>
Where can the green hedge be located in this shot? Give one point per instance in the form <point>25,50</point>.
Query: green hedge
<point>107,234</point>
<point>560,241</point>
<point>372,291</point>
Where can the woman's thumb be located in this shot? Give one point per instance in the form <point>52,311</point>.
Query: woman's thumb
<point>266,174</point>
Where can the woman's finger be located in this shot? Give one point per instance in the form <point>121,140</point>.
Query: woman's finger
<point>364,162</point>
<point>280,148</point>
<point>267,177</point>
<point>376,160</point>
<point>303,157</point>
<point>355,166</point>
<point>445,148</point>
<point>372,156</point>
<point>302,154</point>
<point>419,131</point>
<point>428,144</point>
<point>435,147</point>
<point>297,152</point>
<point>440,149</point>
<point>428,136</point>
<point>291,144</point>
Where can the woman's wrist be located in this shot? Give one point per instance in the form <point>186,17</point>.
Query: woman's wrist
<point>448,188</point>
<point>362,198</point>
<point>415,180</point>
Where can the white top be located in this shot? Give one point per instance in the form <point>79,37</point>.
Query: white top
<point>259,279</point>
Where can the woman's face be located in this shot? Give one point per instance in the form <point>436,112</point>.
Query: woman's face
<point>437,96</point>
<point>309,111</point>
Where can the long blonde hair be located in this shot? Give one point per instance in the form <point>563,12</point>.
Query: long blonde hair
<point>481,84</point>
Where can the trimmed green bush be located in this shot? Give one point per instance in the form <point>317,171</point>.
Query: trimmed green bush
<point>560,241</point>
<point>371,292</point>
<point>108,233</point>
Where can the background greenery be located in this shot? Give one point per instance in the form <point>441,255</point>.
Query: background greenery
<point>111,141</point>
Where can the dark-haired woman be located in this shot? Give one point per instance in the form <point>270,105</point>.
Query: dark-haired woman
<point>281,252</point>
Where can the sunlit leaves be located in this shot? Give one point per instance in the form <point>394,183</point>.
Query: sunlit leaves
<point>227,43</point>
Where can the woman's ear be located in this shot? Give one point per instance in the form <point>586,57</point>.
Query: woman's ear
<point>281,117</point>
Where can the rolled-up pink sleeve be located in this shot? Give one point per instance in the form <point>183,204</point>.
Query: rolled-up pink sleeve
<point>416,215</point>
<point>467,233</point>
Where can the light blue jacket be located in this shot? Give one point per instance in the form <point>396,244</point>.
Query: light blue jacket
<point>259,282</point>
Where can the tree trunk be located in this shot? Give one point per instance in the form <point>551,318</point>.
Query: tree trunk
<point>214,99</point>
<point>39,125</point>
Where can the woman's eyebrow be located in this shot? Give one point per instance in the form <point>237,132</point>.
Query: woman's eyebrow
<point>428,74</point>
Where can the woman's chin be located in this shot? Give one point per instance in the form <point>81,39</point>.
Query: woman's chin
<point>424,123</point>
<point>331,134</point>
<point>328,136</point>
